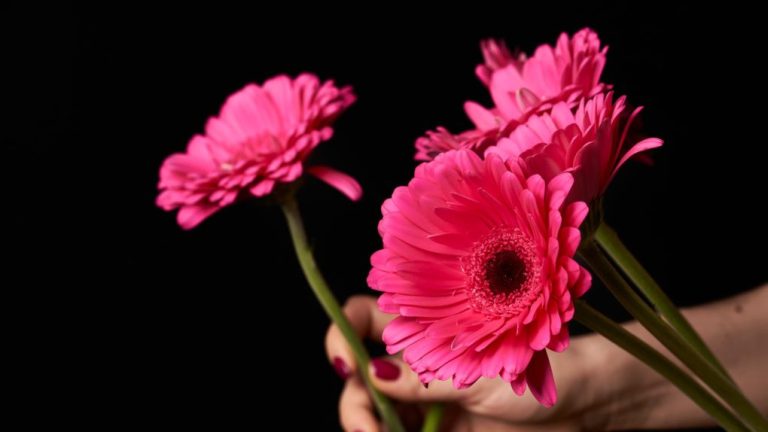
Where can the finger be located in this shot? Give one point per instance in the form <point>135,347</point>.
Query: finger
<point>367,320</point>
<point>395,379</point>
<point>355,407</point>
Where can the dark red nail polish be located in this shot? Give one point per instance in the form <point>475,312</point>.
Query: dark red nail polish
<point>341,368</point>
<point>385,370</point>
<point>426,385</point>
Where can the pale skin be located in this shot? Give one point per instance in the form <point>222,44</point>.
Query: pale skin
<point>600,387</point>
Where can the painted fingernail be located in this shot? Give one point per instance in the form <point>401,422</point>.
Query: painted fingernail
<point>385,370</point>
<point>341,368</point>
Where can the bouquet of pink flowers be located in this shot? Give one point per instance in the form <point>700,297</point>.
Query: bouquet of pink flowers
<point>489,248</point>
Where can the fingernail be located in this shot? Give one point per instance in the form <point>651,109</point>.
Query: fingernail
<point>341,368</point>
<point>385,370</point>
<point>426,385</point>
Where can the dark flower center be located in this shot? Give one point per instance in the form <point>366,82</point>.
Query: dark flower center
<point>505,272</point>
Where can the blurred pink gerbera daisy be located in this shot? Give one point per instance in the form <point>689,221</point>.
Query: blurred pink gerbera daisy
<point>591,143</point>
<point>261,137</point>
<point>477,262</point>
<point>566,72</point>
<point>522,86</point>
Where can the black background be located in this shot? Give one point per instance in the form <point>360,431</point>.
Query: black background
<point>190,328</point>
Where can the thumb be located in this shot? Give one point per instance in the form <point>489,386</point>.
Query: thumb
<point>395,379</point>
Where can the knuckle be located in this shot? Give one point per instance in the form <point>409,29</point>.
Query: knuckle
<point>356,301</point>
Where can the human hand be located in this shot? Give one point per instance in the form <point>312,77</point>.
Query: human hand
<point>588,393</point>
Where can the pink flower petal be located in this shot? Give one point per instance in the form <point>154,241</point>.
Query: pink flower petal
<point>560,341</point>
<point>518,384</point>
<point>191,216</point>
<point>337,179</point>
<point>539,378</point>
<point>481,117</point>
<point>575,214</point>
<point>646,144</point>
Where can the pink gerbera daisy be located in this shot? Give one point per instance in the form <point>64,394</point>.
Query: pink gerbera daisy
<point>590,143</point>
<point>477,262</point>
<point>566,72</point>
<point>522,86</point>
<point>261,138</point>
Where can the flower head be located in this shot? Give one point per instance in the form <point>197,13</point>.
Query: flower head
<point>590,143</point>
<point>566,72</point>
<point>522,86</point>
<point>261,138</point>
<point>477,262</point>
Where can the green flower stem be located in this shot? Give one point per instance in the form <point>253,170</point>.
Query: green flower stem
<point>332,308</point>
<point>433,418</point>
<point>702,368</point>
<point>598,322</point>
<point>608,240</point>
